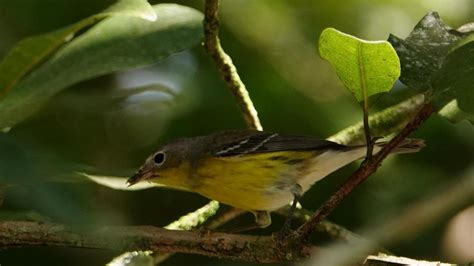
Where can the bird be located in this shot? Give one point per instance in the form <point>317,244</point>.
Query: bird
<point>256,171</point>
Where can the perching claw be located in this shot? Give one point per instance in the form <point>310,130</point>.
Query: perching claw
<point>297,191</point>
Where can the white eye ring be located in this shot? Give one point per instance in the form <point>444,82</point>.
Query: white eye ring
<point>159,158</point>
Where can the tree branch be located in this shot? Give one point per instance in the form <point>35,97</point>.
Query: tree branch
<point>367,168</point>
<point>334,231</point>
<point>202,215</point>
<point>226,67</point>
<point>405,225</point>
<point>261,249</point>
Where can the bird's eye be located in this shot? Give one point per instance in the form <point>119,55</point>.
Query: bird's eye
<point>159,158</point>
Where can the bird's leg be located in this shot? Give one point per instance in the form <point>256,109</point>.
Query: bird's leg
<point>262,220</point>
<point>285,230</point>
<point>296,199</point>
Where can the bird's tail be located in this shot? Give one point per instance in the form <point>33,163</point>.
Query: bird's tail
<point>406,146</point>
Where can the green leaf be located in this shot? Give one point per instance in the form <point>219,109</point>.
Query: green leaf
<point>31,51</point>
<point>455,79</point>
<point>118,183</point>
<point>469,38</point>
<point>452,112</point>
<point>115,44</point>
<point>365,67</point>
<point>422,52</point>
<point>133,8</point>
<point>437,58</point>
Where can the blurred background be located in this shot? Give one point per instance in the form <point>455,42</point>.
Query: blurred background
<point>102,126</point>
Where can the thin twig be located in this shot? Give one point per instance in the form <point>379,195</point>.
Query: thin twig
<point>334,231</point>
<point>367,168</point>
<point>368,138</point>
<point>225,65</point>
<point>390,120</point>
<point>405,225</point>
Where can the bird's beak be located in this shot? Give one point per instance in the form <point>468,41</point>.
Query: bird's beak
<point>139,176</point>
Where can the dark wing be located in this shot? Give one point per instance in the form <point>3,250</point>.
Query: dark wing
<point>233,143</point>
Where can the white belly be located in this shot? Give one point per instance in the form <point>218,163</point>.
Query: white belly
<point>326,163</point>
<point>320,167</point>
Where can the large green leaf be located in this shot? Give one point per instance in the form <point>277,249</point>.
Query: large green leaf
<point>430,62</point>
<point>31,51</point>
<point>455,79</point>
<point>115,44</point>
<point>366,68</point>
<point>422,52</point>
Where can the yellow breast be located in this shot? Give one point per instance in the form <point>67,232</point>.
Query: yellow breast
<point>251,182</point>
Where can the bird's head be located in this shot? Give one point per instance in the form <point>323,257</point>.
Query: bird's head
<point>168,166</point>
